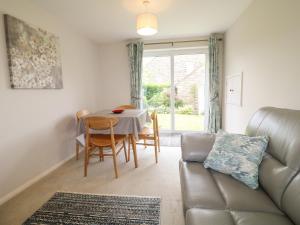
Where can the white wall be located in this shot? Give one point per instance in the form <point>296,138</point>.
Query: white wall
<point>37,127</point>
<point>264,45</point>
<point>114,80</point>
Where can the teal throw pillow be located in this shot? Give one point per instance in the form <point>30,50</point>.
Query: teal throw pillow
<point>237,155</point>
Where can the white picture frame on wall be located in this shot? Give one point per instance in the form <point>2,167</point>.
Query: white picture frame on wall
<point>234,89</point>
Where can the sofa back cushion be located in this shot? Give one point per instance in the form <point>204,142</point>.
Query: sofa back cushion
<point>291,200</point>
<point>282,160</point>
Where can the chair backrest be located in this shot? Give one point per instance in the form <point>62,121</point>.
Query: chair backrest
<point>279,171</point>
<point>99,123</point>
<point>126,107</point>
<point>81,114</point>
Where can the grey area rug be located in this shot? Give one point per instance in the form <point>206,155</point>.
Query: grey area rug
<point>78,209</point>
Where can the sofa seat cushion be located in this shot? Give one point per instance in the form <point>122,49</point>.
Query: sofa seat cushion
<point>242,198</point>
<point>208,217</point>
<point>259,218</point>
<point>199,188</point>
<point>225,217</point>
<point>208,189</point>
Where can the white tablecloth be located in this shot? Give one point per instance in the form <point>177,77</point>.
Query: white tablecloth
<point>131,121</point>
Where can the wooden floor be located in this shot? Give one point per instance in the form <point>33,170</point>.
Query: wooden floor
<point>149,179</point>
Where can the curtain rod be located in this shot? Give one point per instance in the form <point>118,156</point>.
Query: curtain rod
<point>173,42</point>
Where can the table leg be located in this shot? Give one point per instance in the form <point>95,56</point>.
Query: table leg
<point>132,139</point>
<point>128,154</point>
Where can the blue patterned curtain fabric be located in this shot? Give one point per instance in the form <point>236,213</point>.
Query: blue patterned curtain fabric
<point>214,108</point>
<point>135,54</point>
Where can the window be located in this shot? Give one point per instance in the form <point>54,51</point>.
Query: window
<point>174,86</point>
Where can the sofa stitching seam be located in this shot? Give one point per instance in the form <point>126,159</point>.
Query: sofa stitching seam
<point>232,217</point>
<point>218,187</point>
<point>259,125</point>
<point>296,172</point>
<point>286,187</point>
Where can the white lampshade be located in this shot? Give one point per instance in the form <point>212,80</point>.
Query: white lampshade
<point>146,24</point>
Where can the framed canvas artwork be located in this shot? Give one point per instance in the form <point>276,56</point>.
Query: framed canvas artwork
<point>33,56</point>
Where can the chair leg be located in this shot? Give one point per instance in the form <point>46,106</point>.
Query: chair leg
<point>77,151</point>
<point>155,148</point>
<point>158,142</point>
<point>86,160</point>
<point>115,161</point>
<point>125,150</point>
<point>128,154</point>
<point>101,157</point>
<point>145,143</point>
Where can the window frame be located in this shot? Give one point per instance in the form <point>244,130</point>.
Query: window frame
<point>172,53</point>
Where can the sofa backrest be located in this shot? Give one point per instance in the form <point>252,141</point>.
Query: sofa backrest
<point>291,200</point>
<point>281,164</point>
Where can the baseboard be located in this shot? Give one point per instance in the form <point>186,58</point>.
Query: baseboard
<point>30,182</point>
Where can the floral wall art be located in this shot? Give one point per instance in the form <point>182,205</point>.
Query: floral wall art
<point>33,56</point>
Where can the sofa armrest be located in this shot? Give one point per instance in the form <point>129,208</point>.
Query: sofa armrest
<point>196,146</point>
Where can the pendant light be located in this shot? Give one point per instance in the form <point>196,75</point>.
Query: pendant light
<point>146,24</point>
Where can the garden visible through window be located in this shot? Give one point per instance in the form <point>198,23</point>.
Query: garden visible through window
<point>174,86</point>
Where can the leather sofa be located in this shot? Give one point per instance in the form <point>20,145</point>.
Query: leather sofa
<point>212,198</point>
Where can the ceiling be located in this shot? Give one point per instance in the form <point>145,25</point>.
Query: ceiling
<point>106,21</point>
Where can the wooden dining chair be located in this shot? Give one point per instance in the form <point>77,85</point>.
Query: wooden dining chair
<point>115,142</point>
<point>126,107</point>
<point>80,137</point>
<point>151,134</point>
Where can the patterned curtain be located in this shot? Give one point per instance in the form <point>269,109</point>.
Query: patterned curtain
<point>214,108</point>
<point>135,54</point>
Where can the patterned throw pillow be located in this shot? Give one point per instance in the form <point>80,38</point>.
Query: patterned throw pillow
<point>237,155</point>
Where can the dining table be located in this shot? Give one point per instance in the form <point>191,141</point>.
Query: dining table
<point>131,122</point>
